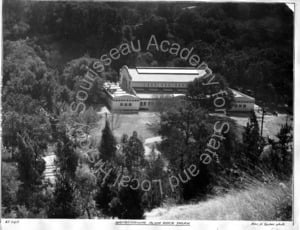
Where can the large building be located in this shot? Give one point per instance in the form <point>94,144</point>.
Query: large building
<point>140,88</point>
<point>158,79</point>
<point>153,83</point>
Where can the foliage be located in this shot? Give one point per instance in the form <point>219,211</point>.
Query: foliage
<point>246,45</point>
<point>9,185</point>
<point>67,158</point>
<point>252,141</point>
<point>64,199</point>
<point>114,199</point>
<point>107,147</point>
<point>130,206</point>
<point>262,35</point>
<point>281,156</point>
<point>106,193</point>
<point>155,170</point>
<point>86,184</point>
<point>204,95</point>
<point>30,167</point>
<point>133,152</point>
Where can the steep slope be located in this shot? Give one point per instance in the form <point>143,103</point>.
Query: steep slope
<point>263,202</point>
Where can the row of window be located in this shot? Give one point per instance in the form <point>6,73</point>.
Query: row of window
<point>239,106</point>
<point>143,90</point>
<point>144,103</point>
<point>165,84</point>
<point>131,100</point>
<point>244,102</point>
<point>125,104</point>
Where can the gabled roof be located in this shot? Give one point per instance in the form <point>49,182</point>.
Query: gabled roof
<point>239,95</point>
<point>158,95</point>
<point>164,74</point>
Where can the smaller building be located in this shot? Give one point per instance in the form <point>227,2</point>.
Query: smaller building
<point>119,100</point>
<point>242,102</point>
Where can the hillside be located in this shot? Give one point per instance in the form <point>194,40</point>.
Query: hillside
<point>107,167</point>
<point>251,45</point>
<point>262,202</point>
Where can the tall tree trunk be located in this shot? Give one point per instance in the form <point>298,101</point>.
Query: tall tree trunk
<point>88,213</point>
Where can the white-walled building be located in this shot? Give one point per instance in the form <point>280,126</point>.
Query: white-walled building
<point>119,100</point>
<point>148,100</point>
<point>158,79</point>
<point>141,87</point>
<point>242,102</point>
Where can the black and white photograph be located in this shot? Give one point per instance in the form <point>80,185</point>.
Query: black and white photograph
<point>163,112</point>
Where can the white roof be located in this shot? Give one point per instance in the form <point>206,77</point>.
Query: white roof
<point>239,95</point>
<point>161,74</point>
<point>166,71</point>
<point>157,95</point>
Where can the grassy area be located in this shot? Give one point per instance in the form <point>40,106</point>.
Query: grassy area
<point>142,122</point>
<point>145,123</point>
<point>258,202</point>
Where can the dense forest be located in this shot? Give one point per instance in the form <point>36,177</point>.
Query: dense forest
<point>45,48</point>
<point>251,45</point>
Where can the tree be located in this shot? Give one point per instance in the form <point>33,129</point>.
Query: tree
<point>35,76</point>
<point>30,167</point>
<point>145,59</point>
<point>67,158</point>
<point>252,142</point>
<point>185,131</point>
<point>108,153</point>
<point>86,185</point>
<point>133,152</point>
<point>181,126</point>
<point>282,152</point>
<point>64,204</point>
<point>121,202</point>
<point>155,170</point>
<point>106,193</point>
<point>154,25</point>
<point>96,93</point>
<point>14,25</point>
<point>203,94</point>
<point>108,144</point>
<point>115,200</point>
<point>9,186</point>
<point>129,203</point>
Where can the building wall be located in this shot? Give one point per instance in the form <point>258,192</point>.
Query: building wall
<point>125,104</point>
<point>175,85</point>
<point>168,87</point>
<point>242,106</point>
<point>146,103</point>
